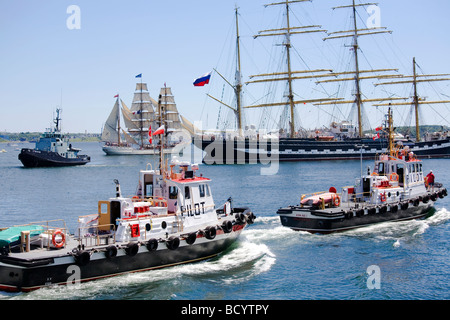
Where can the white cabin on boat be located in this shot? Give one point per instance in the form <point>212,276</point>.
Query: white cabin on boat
<point>393,179</point>
<point>174,202</point>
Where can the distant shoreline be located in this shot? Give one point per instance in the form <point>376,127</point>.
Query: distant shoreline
<point>34,136</point>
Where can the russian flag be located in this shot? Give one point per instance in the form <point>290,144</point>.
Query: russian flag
<point>200,82</point>
<point>160,130</point>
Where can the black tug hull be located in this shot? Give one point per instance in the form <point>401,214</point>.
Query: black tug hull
<point>323,221</point>
<point>27,275</point>
<point>32,158</point>
<point>331,225</point>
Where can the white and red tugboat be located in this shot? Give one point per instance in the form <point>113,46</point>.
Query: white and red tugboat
<point>171,220</point>
<point>395,190</point>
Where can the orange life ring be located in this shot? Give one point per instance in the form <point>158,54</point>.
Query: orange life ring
<point>393,176</point>
<point>163,203</point>
<point>61,243</point>
<point>383,197</point>
<point>336,201</point>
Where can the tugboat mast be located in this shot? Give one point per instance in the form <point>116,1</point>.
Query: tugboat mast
<point>161,138</point>
<point>57,120</point>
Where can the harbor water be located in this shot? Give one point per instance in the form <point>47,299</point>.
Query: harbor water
<point>411,259</point>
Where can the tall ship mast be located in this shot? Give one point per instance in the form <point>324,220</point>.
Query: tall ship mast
<point>416,99</point>
<point>237,87</point>
<point>289,75</point>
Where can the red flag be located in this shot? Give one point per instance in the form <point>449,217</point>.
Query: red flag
<point>378,129</point>
<point>116,96</point>
<point>160,130</point>
<point>150,134</point>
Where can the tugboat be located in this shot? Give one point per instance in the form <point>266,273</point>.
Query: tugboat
<point>53,150</point>
<point>172,219</point>
<point>396,190</point>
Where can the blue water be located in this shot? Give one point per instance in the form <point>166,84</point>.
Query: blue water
<point>269,261</point>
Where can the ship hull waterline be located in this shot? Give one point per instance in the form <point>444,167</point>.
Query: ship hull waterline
<point>249,151</point>
<point>28,275</point>
<point>317,221</point>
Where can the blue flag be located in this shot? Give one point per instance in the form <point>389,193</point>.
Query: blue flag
<point>139,75</point>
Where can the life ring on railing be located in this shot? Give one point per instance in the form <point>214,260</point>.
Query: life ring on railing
<point>163,203</point>
<point>383,197</point>
<point>61,242</point>
<point>393,176</point>
<point>336,201</point>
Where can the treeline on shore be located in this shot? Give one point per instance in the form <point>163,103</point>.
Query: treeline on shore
<point>34,136</point>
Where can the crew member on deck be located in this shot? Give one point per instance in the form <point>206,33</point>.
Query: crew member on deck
<point>430,181</point>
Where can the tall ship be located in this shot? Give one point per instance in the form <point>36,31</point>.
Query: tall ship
<point>53,150</point>
<point>397,189</point>
<point>140,122</point>
<point>171,219</point>
<point>345,139</point>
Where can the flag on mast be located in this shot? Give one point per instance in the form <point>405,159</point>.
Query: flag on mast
<point>160,130</point>
<point>200,82</point>
<point>150,134</point>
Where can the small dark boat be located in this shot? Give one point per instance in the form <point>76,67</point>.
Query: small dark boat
<point>53,150</point>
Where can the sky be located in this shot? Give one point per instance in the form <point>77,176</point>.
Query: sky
<point>52,56</point>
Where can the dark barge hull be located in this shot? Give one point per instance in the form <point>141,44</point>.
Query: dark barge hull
<point>328,221</point>
<point>292,149</point>
<point>32,158</point>
<point>27,275</point>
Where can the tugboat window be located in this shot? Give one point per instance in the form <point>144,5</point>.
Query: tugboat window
<point>149,189</point>
<point>381,168</point>
<point>201,189</point>
<point>173,192</point>
<point>187,194</point>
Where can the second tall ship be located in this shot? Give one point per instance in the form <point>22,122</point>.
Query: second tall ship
<point>343,140</point>
<point>141,123</point>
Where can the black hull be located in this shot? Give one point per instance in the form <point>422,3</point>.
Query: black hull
<point>324,224</point>
<point>27,275</point>
<point>288,149</point>
<point>32,158</point>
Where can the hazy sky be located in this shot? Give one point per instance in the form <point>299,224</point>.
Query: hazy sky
<point>50,53</point>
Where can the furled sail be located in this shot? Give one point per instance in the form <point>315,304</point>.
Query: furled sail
<point>172,116</point>
<point>141,115</point>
